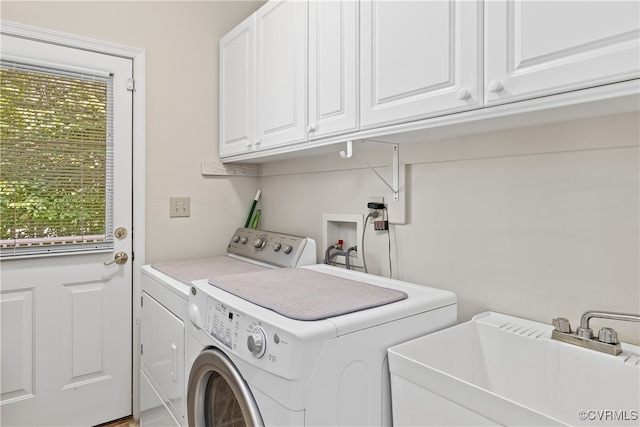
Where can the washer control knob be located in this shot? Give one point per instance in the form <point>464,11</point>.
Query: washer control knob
<point>260,242</point>
<point>244,240</point>
<point>256,342</point>
<point>287,249</point>
<point>236,238</point>
<point>276,246</point>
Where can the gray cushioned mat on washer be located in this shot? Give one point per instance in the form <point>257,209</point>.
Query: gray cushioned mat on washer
<point>303,294</point>
<point>205,268</point>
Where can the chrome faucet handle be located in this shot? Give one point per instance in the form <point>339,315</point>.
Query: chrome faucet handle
<point>608,335</point>
<point>586,333</point>
<point>562,325</point>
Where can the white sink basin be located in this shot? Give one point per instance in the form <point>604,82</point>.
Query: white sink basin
<point>503,370</point>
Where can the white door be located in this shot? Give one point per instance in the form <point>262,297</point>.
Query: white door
<point>67,319</point>
<point>419,59</point>
<point>537,48</point>
<point>333,67</point>
<point>237,89</point>
<point>281,73</point>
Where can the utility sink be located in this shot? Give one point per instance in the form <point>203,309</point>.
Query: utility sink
<point>503,370</point>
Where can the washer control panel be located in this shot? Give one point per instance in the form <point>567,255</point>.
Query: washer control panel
<point>277,249</point>
<point>222,323</point>
<point>255,341</point>
<point>253,334</point>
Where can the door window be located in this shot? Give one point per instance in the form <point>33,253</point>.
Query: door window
<point>56,154</point>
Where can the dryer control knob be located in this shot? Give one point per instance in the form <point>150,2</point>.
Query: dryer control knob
<point>287,249</point>
<point>260,242</point>
<point>256,343</point>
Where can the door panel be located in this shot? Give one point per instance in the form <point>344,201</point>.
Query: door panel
<point>237,89</point>
<point>538,48</point>
<point>163,341</point>
<point>89,302</point>
<point>18,334</point>
<point>333,67</point>
<point>281,73</point>
<point>419,59</point>
<point>66,334</point>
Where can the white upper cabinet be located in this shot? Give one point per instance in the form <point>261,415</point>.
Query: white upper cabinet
<point>281,73</point>
<point>237,89</point>
<point>333,67</point>
<point>419,59</point>
<point>322,71</point>
<point>536,48</point>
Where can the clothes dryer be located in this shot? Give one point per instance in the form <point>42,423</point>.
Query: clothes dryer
<point>302,346</point>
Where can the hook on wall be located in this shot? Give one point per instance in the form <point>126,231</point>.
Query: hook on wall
<point>349,152</point>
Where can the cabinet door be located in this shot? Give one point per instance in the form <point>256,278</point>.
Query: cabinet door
<point>281,70</point>
<point>237,89</point>
<point>333,67</point>
<point>536,48</point>
<point>419,59</point>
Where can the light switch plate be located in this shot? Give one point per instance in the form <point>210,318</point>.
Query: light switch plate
<point>179,207</point>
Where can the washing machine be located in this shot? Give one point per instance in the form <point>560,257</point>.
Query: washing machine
<point>302,346</point>
<point>165,290</point>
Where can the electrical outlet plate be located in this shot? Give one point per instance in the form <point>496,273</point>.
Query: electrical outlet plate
<point>380,211</point>
<point>179,207</point>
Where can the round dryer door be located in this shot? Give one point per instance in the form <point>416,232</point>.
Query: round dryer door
<point>218,395</point>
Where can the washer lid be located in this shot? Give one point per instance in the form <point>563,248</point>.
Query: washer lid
<point>306,294</point>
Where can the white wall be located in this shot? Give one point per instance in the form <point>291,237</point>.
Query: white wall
<point>539,222</point>
<point>181,43</point>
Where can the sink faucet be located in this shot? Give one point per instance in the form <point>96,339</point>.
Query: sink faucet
<point>607,341</point>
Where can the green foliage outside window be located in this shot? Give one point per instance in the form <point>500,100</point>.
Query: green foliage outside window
<point>53,156</point>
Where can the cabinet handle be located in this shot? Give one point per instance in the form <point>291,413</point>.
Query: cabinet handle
<point>463,94</point>
<point>249,144</point>
<point>495,86</point>
<point>256,144</point>
<point>312,129</point>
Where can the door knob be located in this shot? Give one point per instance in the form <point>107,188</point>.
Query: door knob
<point>119,258</point>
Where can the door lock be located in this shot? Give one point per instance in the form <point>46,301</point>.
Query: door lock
<point>119,258</point>
<point>120,233</point>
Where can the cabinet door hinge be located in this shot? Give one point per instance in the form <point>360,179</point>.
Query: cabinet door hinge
<point>141,349</point>
<point>131,83</point>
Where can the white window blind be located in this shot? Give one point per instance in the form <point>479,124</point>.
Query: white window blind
<point>56,155</point>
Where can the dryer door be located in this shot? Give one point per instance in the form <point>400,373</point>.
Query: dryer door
<point>218,395</point>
